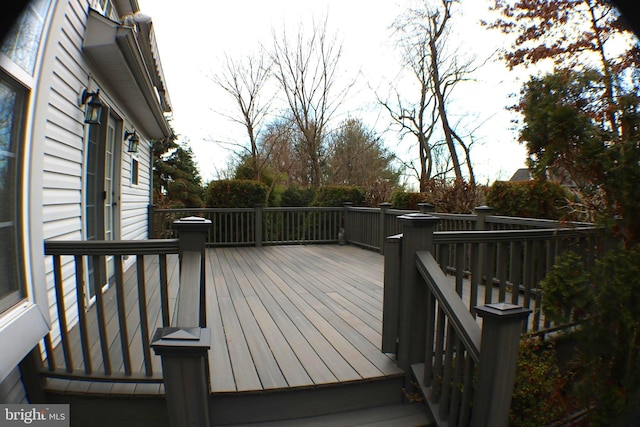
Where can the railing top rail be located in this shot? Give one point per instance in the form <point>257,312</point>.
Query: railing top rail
<point>399,211</point>
<point>111,247</point>
<point>204,210</point>
<point>534,222</point>
<point>303,209</point>
<point>457,217</point>
<point>363,209</point>
<point>479,236</point>
<point>455,309</point>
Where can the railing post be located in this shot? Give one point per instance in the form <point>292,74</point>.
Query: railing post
<point>501,329</point>
<point>192,235</point>
<point>258,225</point>
<point>482,270</point>
<point>185,374</point>
<point>417,231</point>
<point>426,208</point>
<point>482,212</point>
<point>391,296</point>
<point>184,346</point>
<point>384,206</point>
<point>151,221</point>
<point>345,217</point>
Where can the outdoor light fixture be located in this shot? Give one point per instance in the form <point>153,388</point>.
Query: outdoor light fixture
<point>133,141</point>
<point>93,111</point>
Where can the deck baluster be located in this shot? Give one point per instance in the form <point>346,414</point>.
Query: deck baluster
<point>62,313</point>
<point>142,308</point>
<point>122,315</point>
<point>82,314</point>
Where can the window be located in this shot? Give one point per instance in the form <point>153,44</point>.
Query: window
<point>134,171</point>
<point>12,107</point>
<point>106,8</point>
<point>22,42</point>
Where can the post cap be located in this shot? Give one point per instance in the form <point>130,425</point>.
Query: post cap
<point>192,220</point>
<point>426,207</point>
<point>484,209</point>
<point>418,219</point>
<point>192,223</point>
<point>181,340</point>
<point>503,311</point>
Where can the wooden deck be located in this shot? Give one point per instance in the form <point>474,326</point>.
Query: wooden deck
<point>281,317</point>
<point>294,316</point>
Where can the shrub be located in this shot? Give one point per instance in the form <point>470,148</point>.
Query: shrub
<point>296,195</point>
<point>529,199</point>
<point>336,195</point>
<point>605,294</point>
<point>235,193</point>
<point>447,197</point>
<point>537,398</point>
<point>407,200</point>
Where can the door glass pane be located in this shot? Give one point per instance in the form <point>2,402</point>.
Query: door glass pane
<point>108,182</point>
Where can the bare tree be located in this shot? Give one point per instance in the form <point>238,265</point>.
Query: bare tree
<point>423,36</point>
<point>307,71</point>
<point>244,81</point>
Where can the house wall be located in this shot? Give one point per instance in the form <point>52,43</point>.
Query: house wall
<point>60,153</point>
<point>12,390</point>
<point>52,162</point>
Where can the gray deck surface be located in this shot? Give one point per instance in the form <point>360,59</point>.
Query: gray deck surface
<point>294,316</point>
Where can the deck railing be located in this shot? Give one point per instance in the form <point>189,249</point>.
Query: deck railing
<point>429,317</point>
<point>362,226</point>
<point>508,265</point>
<point>465,372</point>
<point>138,299</point>
<point>255,226</point>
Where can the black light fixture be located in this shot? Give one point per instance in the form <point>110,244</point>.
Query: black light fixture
<point>133,141</point>
<point>93,111</point>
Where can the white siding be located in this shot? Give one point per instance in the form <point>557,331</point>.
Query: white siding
<point>11,389</point>
<point>63,148</point>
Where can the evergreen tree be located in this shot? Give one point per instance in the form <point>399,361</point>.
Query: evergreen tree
<point>176,179</point>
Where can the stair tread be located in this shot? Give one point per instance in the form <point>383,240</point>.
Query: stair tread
<point>398,415</point>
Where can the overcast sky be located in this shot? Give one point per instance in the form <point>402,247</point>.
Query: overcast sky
<point>193,37</point>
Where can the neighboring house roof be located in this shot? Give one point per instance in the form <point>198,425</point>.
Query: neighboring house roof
<point>522,174</point>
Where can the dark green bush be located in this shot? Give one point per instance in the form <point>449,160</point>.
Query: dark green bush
<point>336,195</point>
<point>538,397</point>
<point>529,199</point>
<point>297,196</point>
<point>407,200</point>
<point>235,193</point>
<point>606,296</point>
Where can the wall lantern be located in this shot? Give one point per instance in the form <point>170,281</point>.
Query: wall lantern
<point>93,111</point>
<point>133,141</point>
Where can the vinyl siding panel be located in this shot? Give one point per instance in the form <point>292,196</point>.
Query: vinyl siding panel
<point>62,192</point>
<point>11,389</point>
<point>58,212</point>
<point>64,152</point>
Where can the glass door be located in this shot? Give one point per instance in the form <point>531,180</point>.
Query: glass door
<point>102,195</point>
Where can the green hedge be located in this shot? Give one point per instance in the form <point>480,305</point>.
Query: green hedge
<point>336,195</point>
<point>235,193</point>
<point>529,199</point>
<point>297,196</point>
<point>407,200</point>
